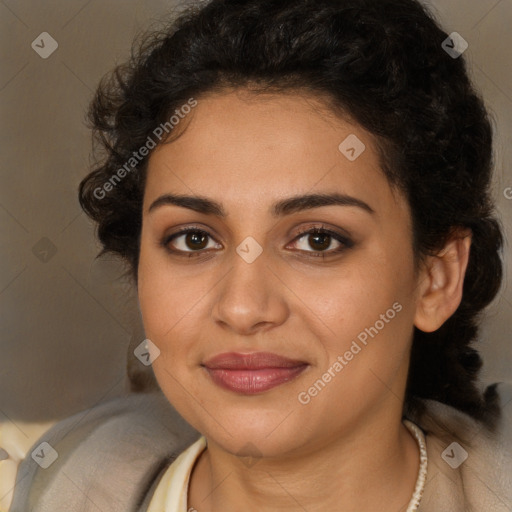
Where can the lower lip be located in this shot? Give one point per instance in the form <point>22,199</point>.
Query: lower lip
<point>251,382</point>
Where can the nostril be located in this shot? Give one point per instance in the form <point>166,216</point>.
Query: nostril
<point>3,454</point>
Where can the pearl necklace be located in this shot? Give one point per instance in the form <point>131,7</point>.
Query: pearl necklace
<point>422,474</point>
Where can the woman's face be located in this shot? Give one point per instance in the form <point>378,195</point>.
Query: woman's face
<point>334,309</point>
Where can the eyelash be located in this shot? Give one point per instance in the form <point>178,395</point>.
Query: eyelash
<point>345,242</point>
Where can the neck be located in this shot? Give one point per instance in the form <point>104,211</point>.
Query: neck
<point>374,467</point>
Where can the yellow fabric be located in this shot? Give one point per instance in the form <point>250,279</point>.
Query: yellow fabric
<point>171,494</point>
<point>15,440</point>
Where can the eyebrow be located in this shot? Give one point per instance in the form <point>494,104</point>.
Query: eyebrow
<point>279,209</point>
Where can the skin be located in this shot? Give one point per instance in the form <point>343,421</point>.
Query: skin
<point>346,449</point>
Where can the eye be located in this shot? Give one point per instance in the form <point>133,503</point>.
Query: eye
<point>189,240</point>
<point>321,239</point>
<point>192,242</point>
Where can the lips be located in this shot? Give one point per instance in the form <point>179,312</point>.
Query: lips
<point>252,373</point>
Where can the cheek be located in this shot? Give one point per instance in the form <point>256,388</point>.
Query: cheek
<point>166,295</point>
<point>370,314</point>
<point>357,298</point>
<point>166,305</point>
<point>173,304</point>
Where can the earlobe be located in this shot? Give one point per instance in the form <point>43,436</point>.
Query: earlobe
<point>441,283</point>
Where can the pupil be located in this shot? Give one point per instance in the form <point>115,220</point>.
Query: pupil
<point>195,239</point>
<point>323,237</point>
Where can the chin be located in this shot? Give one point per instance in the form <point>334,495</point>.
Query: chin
<point>271,423</point>
<point>253,429</point>
<point>255,442</point>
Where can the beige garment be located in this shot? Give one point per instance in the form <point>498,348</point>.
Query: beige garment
<point>171,494</point>
<point>15,440</point>
<point>116,452</point>
<point>482,482</point>
<point>468,469</point>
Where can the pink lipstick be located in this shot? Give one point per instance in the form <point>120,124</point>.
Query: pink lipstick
<point>252,373</point>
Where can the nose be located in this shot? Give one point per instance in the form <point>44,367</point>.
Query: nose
<point>251,297</point>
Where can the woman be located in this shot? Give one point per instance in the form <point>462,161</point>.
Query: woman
<point>301,192</point>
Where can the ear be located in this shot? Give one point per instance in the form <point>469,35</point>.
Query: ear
<point>440,283</point>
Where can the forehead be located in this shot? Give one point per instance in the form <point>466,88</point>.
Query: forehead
<point>249,148</point>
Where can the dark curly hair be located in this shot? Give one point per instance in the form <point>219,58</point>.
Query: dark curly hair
<point>382,64</point>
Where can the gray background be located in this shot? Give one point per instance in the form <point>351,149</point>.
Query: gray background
<point>67,319</point>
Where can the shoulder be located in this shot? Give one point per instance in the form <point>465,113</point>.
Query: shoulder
<point>469,467</point>
<point>106,457</point>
